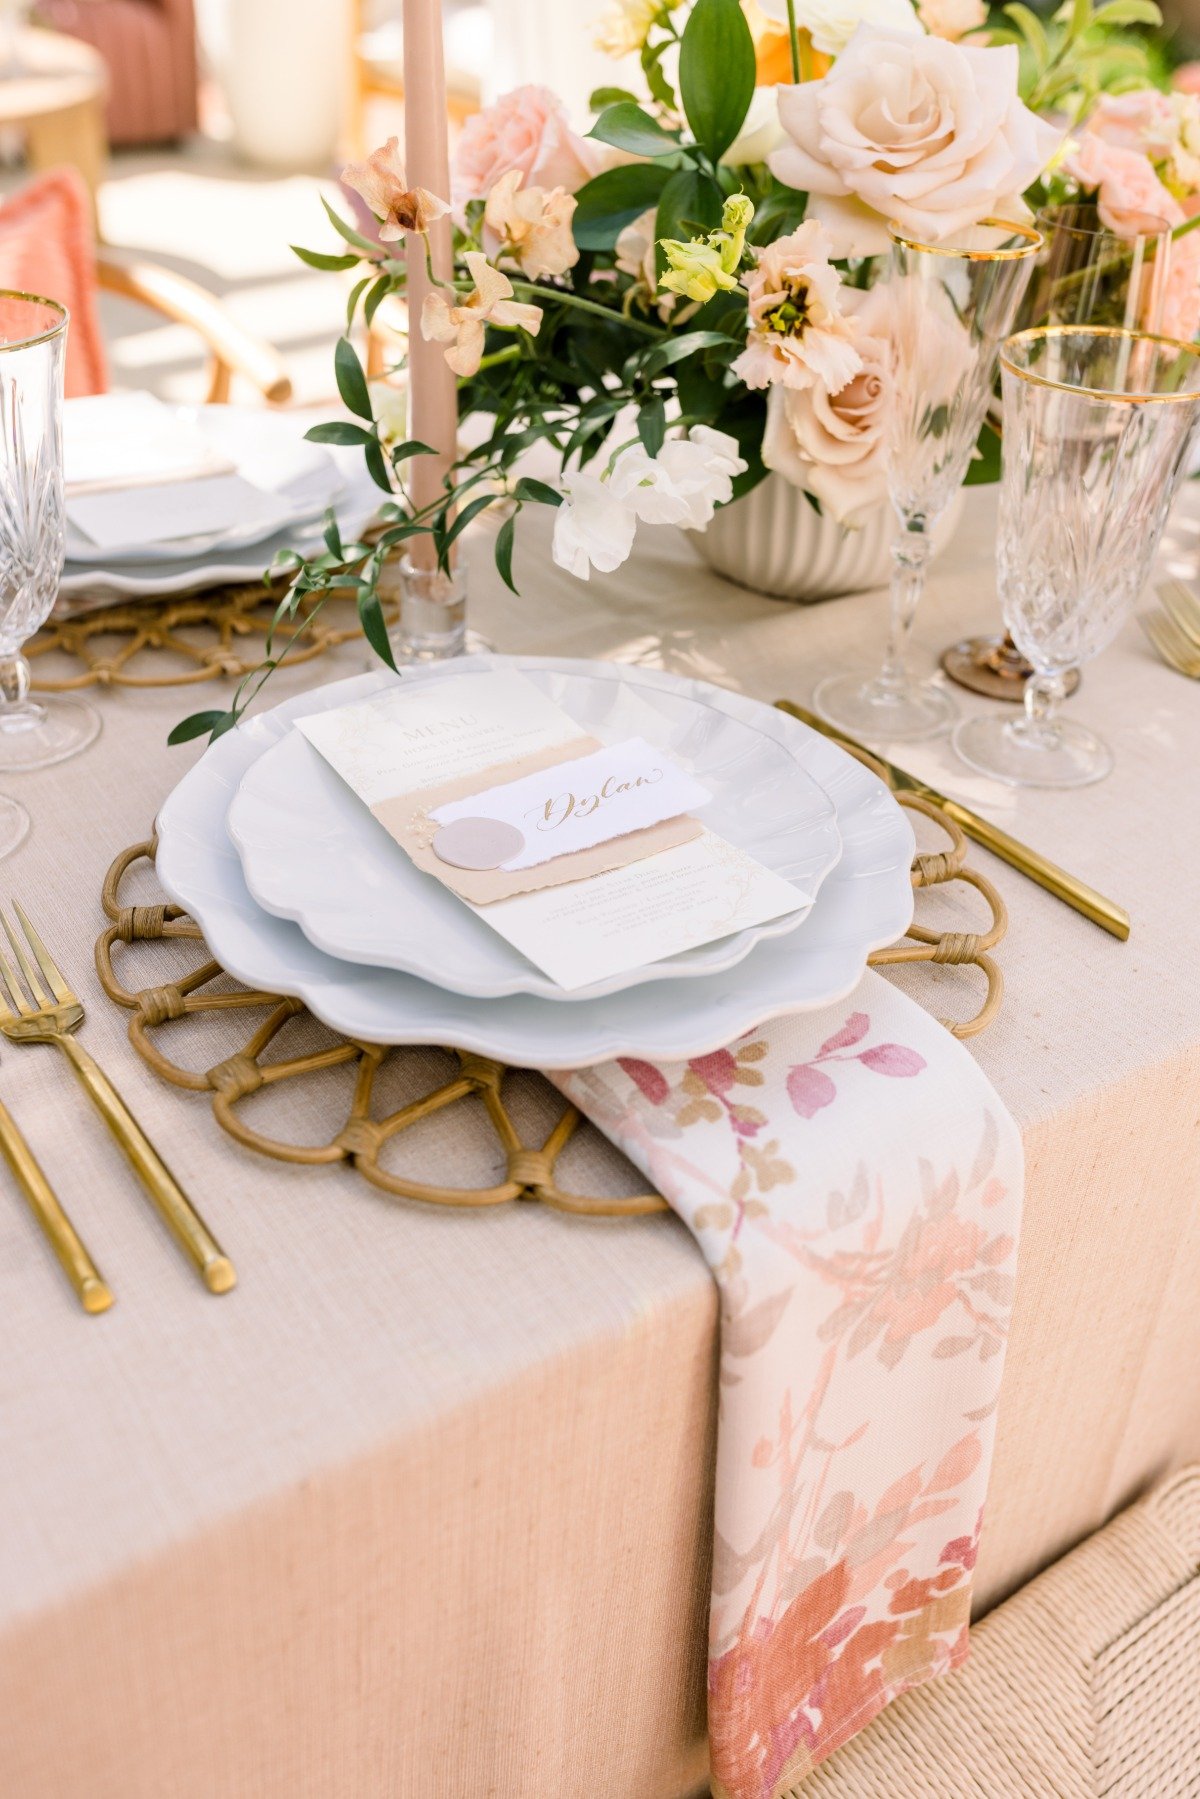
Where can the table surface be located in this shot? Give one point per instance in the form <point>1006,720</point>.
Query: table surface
<point>359,1322</point>
<point>54,73</point>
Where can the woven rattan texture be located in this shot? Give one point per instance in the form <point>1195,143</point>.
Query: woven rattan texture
<point>178,643</point>
<point>363,1137</point>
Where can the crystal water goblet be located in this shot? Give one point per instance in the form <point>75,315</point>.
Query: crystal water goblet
<point>1099,425</point>
<point>1084,274</point>
<point>33,732</point>
<point>955,302</point>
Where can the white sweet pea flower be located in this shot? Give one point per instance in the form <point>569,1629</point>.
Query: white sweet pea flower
<point>761,131</point>
<point>685,483</point>
<point>593,528</point>
<point>832,23</point>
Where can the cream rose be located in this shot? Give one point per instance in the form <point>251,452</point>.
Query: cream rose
<point>835,445</point>
<point>928,133</point>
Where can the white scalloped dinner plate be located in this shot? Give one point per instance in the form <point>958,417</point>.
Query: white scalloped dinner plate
<point>312,852</point>
<point>239,431</point>
<point>865,903</point>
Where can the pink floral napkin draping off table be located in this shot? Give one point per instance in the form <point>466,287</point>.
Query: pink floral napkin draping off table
<point>855,1184</point>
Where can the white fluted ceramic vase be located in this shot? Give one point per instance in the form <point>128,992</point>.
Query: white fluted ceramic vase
<point>773,540</point>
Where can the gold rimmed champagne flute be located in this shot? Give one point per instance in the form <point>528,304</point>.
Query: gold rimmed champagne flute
<point>1099,425</point>
<point>1084,274</point>
<point>955,301</point>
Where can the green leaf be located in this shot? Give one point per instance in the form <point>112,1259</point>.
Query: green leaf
<point>600,97</point>
<point>504,551</point>
<point>652,425</point>
<point>629,128</point>
<point>1031,28</point>
<point>352,383</point>
<point>1081,16</point>
<point>412,446</point>
<point>604,206</point>
<point>716,73</point>
<point>462,519</point>
<point>677,348</point>
<point>378,293</point>
<point>984,466</point>
<point>319,259</point>
<point>377,467</point>
<point>690,205</point>
<point>339,431</point>
<point>529,489</point>
<point>1128,12</point>
<point>372,247</point>
<point>333,537</point>
<point>356,294</point>
<point>374,626</point>
<point>198,724</point>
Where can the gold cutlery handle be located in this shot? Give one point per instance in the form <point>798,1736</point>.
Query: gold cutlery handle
<point>171,1202</point>
<point>78,1266</point>
<point>1036,867</point>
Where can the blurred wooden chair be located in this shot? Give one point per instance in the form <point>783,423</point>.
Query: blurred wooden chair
<point>47,246</point>
<point>232,350</point>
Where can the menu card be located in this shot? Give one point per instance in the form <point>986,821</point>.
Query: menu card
<point>493,750</point>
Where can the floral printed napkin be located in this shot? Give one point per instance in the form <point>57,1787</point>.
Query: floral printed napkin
<point>854,1183</point>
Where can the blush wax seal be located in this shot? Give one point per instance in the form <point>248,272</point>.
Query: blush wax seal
<point>477,843</point>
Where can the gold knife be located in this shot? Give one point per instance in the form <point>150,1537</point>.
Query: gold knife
<point>1104,912</point>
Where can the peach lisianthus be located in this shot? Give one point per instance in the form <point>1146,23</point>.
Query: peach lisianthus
<point>799,333</point>
<point>1181,302</point>
<point>527,129</point>
<point>382,183</point>
<point>461,326</point>
<point>532,225</point>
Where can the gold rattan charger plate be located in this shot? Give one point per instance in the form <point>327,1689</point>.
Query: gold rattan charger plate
<point>179,643</point>
<point>360,1141</point>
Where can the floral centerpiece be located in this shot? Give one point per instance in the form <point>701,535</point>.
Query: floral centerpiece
<point>688,298</point>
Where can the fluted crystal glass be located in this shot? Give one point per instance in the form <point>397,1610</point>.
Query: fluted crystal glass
<point>33,732</point>
<point>953,304</point>
<point>1099,425</point>
<point>1084,274</point>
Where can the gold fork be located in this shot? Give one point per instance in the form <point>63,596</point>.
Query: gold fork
<point>55,1021</point>
<point>1170,642</point>
<point>78,1266</point>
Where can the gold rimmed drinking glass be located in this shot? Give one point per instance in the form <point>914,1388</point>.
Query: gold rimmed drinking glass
<point>954,303</point>
<point>1099,424</point>
<point>33,333</point>
<point>1084,274</point>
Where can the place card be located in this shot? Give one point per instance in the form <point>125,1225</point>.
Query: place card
<point>572,805</point>
<point>493,749</point>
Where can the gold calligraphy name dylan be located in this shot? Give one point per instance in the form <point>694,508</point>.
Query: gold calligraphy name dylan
<point>562,806</point>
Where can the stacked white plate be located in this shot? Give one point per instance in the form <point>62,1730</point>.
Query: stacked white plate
<point>299,890</point>
<point>298,480</point>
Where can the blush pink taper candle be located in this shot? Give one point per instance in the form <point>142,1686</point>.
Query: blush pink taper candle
<point>432,404</point>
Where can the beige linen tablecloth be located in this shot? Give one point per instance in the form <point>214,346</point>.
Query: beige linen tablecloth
<point>423,1508</point>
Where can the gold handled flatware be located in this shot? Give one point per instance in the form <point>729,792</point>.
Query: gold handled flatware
<point>55,1020</point>
<point>94,1292</point>
<point>1066,887</point>
<point>1174,647</point>
<point>1183,608</point>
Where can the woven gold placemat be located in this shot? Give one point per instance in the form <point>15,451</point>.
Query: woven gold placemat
<point>362,1138</point>
<point>178,643</point>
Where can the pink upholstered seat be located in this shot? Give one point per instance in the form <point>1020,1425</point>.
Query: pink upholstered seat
<point>150,49</point>
<point>47,248</point>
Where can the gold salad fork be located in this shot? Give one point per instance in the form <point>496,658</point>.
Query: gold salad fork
<point>93,1290</point>
<point>55,1020</point>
